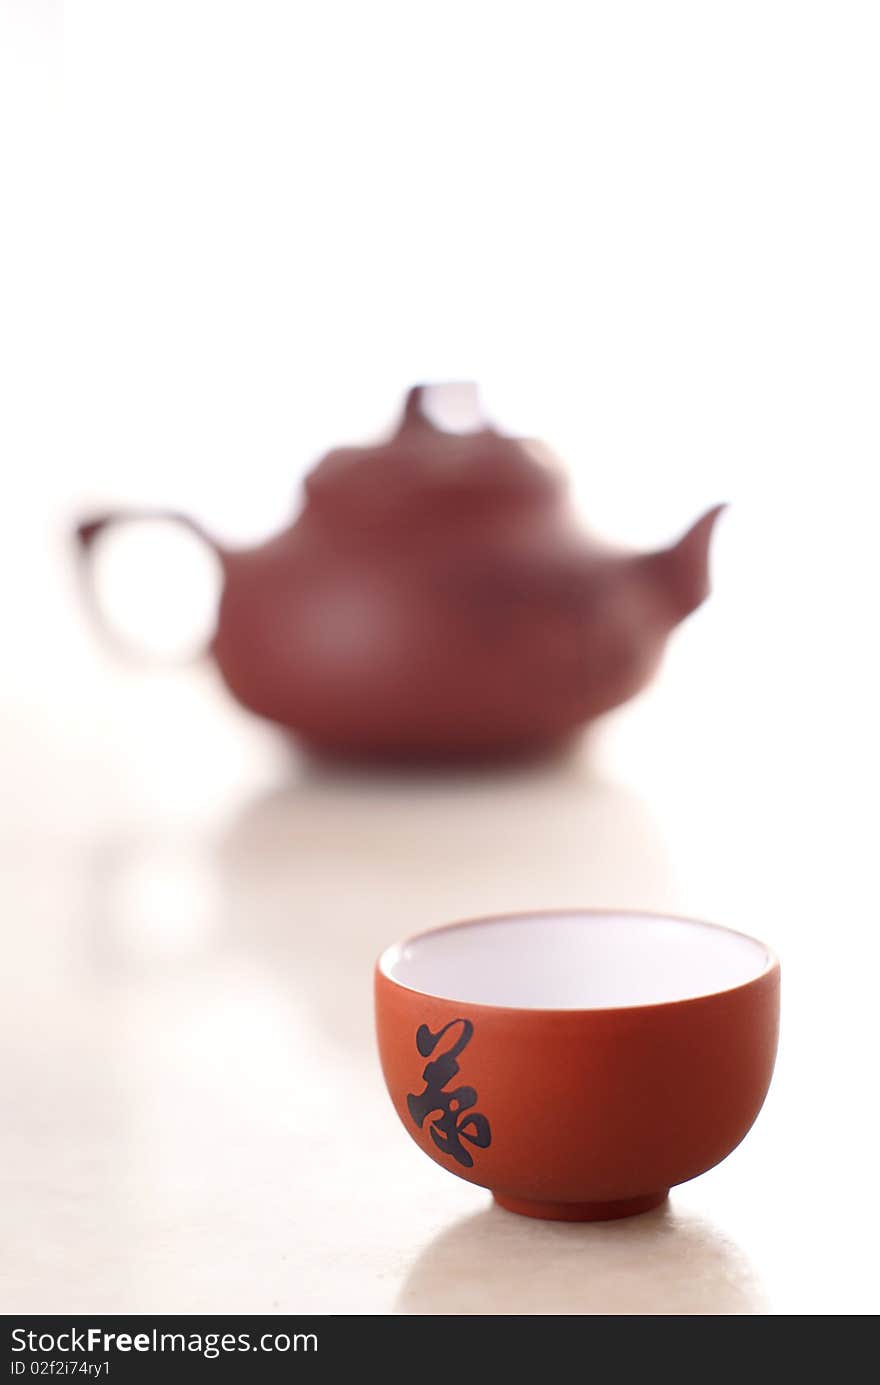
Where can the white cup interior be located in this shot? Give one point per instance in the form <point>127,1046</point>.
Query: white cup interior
<point>576,961</point>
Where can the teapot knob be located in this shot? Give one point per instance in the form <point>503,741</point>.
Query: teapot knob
<point>456,402</point>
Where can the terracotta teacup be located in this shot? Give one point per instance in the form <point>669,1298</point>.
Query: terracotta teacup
<point>578,1064</point>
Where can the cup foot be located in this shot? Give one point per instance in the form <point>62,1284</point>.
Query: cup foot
<point>582,1211</point>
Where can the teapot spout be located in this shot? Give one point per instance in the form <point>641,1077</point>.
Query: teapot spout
<point>682,571</point>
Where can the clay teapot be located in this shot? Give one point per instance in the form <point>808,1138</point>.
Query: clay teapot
<point>436,599</point>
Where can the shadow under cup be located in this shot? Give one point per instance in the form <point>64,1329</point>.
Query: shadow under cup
<point>578,1064</point>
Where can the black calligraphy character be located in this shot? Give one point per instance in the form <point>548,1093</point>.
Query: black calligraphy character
<point>454,1124</point>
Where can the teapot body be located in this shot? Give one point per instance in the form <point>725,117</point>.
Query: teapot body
<point>490,645</point>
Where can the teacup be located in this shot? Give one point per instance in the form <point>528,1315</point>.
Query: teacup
<point>578,1064</point>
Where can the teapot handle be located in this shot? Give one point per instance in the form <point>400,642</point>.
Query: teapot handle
<point>86,533</point>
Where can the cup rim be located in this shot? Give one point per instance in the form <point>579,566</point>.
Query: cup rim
<point>772,962</point>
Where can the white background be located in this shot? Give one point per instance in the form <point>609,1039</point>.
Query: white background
<point>651,232</point>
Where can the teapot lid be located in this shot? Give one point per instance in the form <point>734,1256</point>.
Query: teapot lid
<point>424,467</point>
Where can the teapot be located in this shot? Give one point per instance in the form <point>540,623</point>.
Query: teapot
<point>435,599</point>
